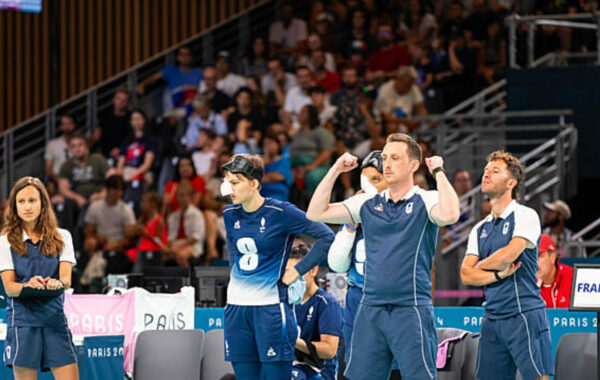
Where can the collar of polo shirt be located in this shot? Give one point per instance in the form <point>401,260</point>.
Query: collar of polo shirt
<point>411,192</point>
<point>507,211</point>
<point>26,237</point>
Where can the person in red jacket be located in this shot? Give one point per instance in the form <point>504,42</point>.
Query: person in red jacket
<point>554,278</point>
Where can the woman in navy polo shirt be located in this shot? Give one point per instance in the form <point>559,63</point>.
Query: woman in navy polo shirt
<point>35,253</point>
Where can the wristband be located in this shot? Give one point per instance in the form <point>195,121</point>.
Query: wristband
<point>63,284</point>
<point>436,170</point>
<point>350,227</point>
<point>497,276</point>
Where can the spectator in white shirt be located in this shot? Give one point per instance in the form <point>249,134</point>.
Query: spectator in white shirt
<point>398,99</point>
<point>203,118</point>
<point>227,81</point>
<point>57,150</point>
<point>288,34</point>
<point>277,82</point>
<point>297,98</point>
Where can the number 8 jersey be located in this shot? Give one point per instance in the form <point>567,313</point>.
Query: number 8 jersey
<point>259,244</point>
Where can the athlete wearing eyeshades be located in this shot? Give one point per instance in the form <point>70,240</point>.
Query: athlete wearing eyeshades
<point>260,327</point>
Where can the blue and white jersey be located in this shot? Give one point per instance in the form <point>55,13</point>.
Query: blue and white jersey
<point>400,239</point>
<point>35,312</point>
<point>356,274</point>
<point>519,292</point>
<point>321,314</point>
<point>259,244</point>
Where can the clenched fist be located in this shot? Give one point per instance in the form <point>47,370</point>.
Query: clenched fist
<point>434,162</point>
<point>346,162</point>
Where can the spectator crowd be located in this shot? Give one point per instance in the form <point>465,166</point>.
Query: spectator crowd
<point>311,89</point>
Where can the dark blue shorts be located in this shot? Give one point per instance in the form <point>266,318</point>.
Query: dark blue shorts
<point>260,333</point>
<point>39,347</point>
<point>522,341</point>
<point>384,333</point>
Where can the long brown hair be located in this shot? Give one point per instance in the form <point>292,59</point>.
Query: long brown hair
<point>45,225</point>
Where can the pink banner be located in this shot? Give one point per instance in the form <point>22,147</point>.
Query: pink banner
<point>98,314</point>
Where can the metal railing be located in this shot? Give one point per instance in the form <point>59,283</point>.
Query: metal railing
<point>22,146</point>
<point>586,242</point>
<point>545,142</point>
<point>592,22</point>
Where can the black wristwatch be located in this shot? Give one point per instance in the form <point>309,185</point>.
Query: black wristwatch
<point>497,276</point>
<point>436,170</point>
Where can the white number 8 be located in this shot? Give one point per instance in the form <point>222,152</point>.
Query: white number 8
<point>360,257</point>
<point>249,260</point>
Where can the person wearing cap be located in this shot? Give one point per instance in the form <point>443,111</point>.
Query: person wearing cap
<point>227,81</point>
<point>553,277</point>
<point>347,253</point>
<point>557,213</point>
<point>260,235</point>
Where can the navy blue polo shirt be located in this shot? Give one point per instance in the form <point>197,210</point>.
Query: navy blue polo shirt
<point>32,312</point>
<point>400,239</point>
<point>517,293</point>
<point>320,314</point>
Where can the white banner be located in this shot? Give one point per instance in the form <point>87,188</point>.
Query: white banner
<point>586,290</point>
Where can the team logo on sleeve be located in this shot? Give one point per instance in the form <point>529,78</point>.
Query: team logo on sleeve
<point>262,225</point>
<point>271,352</point>
<point>237,225</point>
<point>505,228</point>
<point>379,207</point>
<point>409,207</point>
<point>7,352</point>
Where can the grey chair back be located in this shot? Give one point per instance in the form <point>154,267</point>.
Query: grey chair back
<point>214,365</point>
<point>576,357</point>
<point>168,354</point>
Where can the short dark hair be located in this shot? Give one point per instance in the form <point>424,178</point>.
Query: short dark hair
<point>241,90</point>
<point>414,150</point>
<point>299,251</point>
<point>514,166</point>
<point>316,89</point>
<point>115,181</point>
